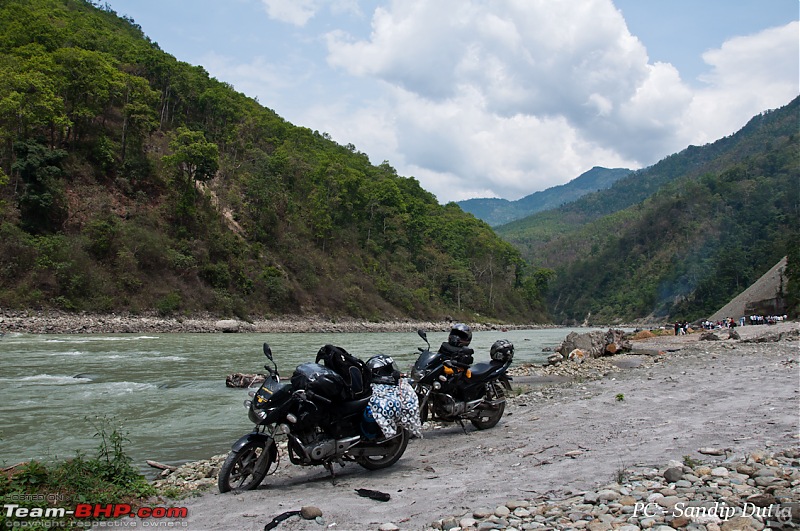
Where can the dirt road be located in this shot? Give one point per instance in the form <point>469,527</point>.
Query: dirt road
<point>553,441</point>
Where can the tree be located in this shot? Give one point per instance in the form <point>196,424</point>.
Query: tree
<point>195,158</point>
<point>139,117</point>
<point>91,85</point>
<point>41,202</point>
<point>29,100</point>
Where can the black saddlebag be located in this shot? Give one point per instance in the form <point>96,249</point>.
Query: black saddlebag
<point>319,380</point>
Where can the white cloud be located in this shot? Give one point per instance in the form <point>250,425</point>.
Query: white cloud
<point>748,75</point>
<point>296,12</point>
<point>509,97</point>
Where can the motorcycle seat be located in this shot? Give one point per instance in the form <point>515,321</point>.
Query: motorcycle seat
<point>351,407</point>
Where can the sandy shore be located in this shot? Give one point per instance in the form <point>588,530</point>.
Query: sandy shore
<point>555,440</point>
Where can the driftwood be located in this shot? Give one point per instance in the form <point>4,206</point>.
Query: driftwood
<point>241,380</point>
<point>12,467</point>
<point>161,466</point>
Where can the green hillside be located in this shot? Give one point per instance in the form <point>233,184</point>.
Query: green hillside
<point>678,239</point>
<point>131,181</point>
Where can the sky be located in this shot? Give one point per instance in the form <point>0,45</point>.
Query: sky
<point>495,98</point>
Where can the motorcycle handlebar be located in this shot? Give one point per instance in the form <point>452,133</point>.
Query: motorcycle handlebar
<point>314,396</point>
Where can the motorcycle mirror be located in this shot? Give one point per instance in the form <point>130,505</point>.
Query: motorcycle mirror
<point>424,336</point>
<point>268,352</point>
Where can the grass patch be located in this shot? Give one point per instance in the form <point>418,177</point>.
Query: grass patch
<point>43,488</point>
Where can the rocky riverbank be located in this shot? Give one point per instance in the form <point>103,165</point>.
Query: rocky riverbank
<point>31,322</point>
<point>760,490</point>
<point>726,492</point>
<point>680,433</point>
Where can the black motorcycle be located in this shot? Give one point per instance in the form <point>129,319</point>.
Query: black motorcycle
<point>452,391</point>
<point>324,423</point>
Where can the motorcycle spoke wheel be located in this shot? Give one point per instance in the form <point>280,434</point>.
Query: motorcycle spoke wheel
<point>394,451</point>
<point>490,417</point>
<point>245,469</point>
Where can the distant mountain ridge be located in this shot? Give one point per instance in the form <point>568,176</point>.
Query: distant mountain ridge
<point>497,212</point>
<point>678,239</point>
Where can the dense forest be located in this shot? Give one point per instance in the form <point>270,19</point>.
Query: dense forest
<point>678,239</point>
<point>133,182</point>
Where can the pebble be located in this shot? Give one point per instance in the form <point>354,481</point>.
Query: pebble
<point>309,512</point>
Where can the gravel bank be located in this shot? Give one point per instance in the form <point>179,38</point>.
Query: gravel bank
<point>69,323</point>
<point>698,423</point>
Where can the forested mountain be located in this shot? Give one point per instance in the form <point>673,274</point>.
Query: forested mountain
<point>496,211</point>
<point>131,181</point>
<point>679,238</point>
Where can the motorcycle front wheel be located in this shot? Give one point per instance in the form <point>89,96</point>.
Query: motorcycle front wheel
<point>394,450</point>
<point>245,469</point>
<point>488,418</point>
<point>424,406</point>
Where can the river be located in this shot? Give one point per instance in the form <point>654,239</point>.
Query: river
<point>167,391</point>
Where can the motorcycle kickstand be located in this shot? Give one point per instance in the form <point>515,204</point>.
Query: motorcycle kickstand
<point>463,427</point>
<point>329,466</point>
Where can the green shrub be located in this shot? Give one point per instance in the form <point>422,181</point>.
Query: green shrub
<point>168,304</point>
<point>106,478</point>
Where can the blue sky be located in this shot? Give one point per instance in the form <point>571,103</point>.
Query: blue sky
<point>495,98</point>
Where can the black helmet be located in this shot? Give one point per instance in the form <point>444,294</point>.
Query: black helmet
<point>383,370</point>
<point>460,335</point>
<point>502,350</point>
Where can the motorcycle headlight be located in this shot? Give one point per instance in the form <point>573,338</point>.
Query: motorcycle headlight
<point>257,415</point>
<point>418,374</point>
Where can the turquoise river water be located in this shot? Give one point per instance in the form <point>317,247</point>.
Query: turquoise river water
<point>168,391</point>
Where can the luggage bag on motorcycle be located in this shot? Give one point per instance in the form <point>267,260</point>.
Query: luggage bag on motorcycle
<point>352,370</point>
<point>319,380</point>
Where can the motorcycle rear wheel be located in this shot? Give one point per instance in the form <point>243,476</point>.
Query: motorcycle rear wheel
<point>245,469</point>
<point>490,417</point>
<point>394,450</point>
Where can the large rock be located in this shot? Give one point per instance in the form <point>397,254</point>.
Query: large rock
<point>228,326</point>
<point>595,344</point>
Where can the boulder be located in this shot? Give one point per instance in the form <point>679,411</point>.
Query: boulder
<point>595,344</point>
<point>228,326</point>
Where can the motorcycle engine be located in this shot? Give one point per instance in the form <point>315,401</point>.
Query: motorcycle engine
<point>315,446</point>
<point>445,405</point>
